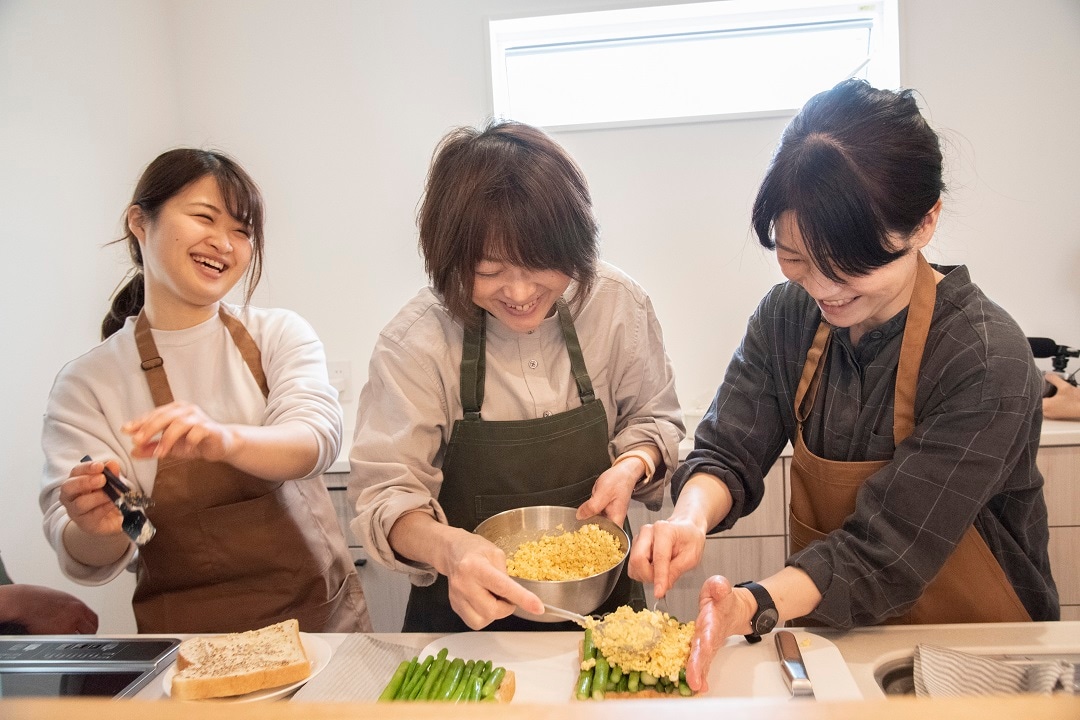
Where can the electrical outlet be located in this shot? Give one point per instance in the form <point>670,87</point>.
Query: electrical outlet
<point>340,375</point>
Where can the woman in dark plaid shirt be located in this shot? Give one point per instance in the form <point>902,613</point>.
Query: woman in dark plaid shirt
<point>911,400</point>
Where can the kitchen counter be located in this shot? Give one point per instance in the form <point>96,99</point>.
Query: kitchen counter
<point>847,689</point>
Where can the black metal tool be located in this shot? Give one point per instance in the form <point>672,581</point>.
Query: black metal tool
<point>132,504</point>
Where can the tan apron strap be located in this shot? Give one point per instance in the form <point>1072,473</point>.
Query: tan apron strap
<point>808,383</point>
<point>248,349</point>
<point>916,330</point>
<point>152,364</point>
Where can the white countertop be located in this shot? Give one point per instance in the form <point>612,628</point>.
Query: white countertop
<point>841,664</point>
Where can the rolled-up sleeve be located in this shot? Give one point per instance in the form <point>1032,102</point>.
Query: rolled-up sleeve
<point>396,456</point>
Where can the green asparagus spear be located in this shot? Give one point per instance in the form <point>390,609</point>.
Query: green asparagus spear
<point>433,676</point>
<point>492,683</point>
<point>412,691</point>
<point>583,689</point>
<point>600,676</point>
<point>451,679</point>
<point>394,686</point>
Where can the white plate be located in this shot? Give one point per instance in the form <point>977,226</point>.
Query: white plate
<point>318,652</point>
<point>546,665</point>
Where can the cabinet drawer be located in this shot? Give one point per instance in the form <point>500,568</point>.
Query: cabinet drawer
<point>1060,467</point>
<point>386,592</point>
<point>769,518</point>
<point>737,559</point>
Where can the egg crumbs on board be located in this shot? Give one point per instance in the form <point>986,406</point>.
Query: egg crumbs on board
<point>567,556</point>
<point>624,629</point>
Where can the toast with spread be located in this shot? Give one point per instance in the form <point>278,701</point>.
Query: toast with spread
<point>240,663</point>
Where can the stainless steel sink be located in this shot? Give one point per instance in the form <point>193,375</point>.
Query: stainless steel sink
<point>897,677</point>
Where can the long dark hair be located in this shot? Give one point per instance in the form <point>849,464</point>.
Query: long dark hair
<point>165,177</point>
<point>855,165</point>
<point>506,192</point>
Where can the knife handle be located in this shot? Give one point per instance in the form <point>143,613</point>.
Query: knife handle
<point>792,666</point>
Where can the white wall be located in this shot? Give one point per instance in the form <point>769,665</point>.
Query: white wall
<point>335,107</point>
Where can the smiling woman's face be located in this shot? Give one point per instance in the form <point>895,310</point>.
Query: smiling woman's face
<point>519,297</point>
<point>860,303</point>
<point>194,253</point>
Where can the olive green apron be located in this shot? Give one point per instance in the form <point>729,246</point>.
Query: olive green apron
<point>234,552</point>
<point>971,586</point>
<point>492,466</point>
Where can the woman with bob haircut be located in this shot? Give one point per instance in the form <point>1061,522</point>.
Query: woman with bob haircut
<point>528,373</point>
<point>911,401</point>
<point>222,414</point>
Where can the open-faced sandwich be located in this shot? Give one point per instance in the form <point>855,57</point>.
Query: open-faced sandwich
<point>635,655</point>
<point>240,663</point>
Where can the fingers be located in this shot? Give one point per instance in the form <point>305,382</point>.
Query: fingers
<point>663,548</point>
<point>610,495</point>
<point>589,508</point>
<point>480,589</point>
<point>86,502</point>
<point>699,661</point>
<point>1056,380</point>
<point>663,551</point>
<point>710,631</point>
<point>641,567</point>
<point>177,430</point>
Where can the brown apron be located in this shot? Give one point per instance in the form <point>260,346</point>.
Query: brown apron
<point>971,586</point>
<point>234,552</point>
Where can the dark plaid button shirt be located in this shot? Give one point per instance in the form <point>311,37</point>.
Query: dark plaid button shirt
<point>970,460</point>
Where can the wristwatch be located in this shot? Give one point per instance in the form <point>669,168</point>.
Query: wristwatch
<point>765,617</point>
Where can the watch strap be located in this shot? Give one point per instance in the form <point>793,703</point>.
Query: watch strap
<point>766,615</point>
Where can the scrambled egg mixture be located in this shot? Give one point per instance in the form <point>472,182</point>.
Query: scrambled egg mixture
<point>624,630</point>
<point>568,556</point>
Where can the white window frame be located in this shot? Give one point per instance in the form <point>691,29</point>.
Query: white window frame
<point>505,35</point>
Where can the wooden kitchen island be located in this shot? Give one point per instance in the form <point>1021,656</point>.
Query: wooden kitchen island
<point>1010,708</point>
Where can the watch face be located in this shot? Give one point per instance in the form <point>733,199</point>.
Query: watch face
<point>766,621</point>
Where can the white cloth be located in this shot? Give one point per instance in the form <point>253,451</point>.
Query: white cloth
<point>409,405</point>
<point>944,672</point>
<point>95,394</point>
<point>358,671</point>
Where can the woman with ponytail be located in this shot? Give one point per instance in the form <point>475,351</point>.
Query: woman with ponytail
<point>222,414</point>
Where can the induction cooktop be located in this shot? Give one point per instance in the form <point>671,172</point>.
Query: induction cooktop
<point>80,665</point>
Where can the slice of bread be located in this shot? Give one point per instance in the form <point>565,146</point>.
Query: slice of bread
<point>240,663</point>
<point>505,692</point>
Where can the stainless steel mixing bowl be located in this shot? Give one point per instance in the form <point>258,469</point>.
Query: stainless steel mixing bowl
<point>511,528</point>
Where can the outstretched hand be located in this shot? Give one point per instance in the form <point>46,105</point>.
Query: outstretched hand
<point>1063,404</point>
<point>180,430</point>
<point>721,614</point>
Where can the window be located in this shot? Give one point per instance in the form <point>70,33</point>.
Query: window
<point>675,63</point>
